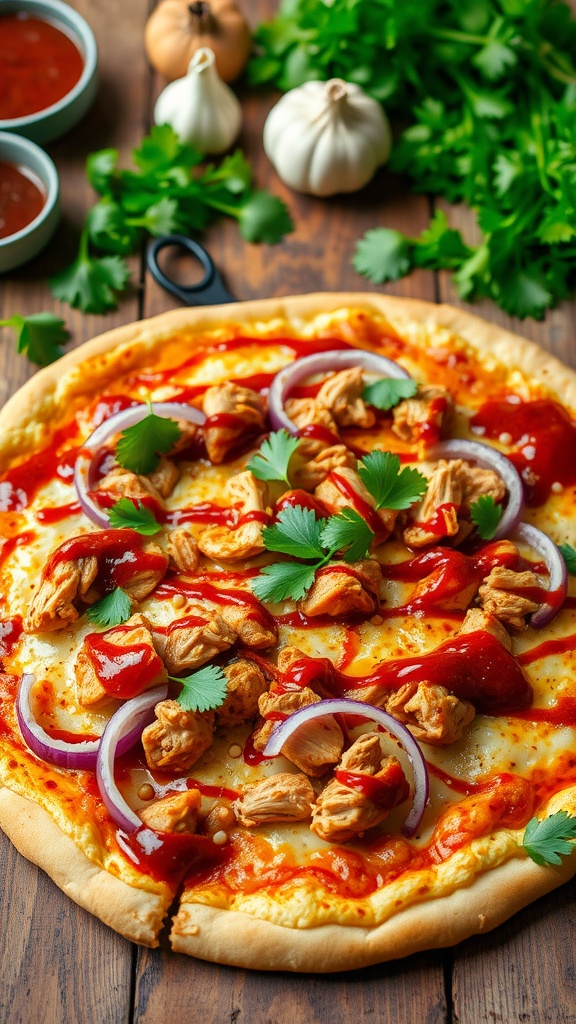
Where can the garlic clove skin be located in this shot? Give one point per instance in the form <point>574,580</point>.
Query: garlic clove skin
<point>200,107</point>
<point>327,137</point>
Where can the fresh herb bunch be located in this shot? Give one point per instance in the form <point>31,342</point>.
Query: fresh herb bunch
<point>166,192</point>
<point>491,87</point>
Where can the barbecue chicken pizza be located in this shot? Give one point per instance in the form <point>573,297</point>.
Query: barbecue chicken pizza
<point>288,628</point>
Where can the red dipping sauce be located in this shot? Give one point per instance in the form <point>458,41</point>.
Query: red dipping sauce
<point>39,65</point>
<point>22,196</point>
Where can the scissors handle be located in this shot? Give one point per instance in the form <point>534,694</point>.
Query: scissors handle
<point>211,290</point>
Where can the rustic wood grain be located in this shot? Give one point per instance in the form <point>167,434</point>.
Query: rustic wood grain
<point>407,992</point>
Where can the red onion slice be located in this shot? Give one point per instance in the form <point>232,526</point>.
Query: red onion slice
<point>65,755</point>
<point>323,362</point>
<point>488,458</point>
<point>344,705</point>
<point>129,720</point>
<point>83,469</point>
<point>558,584</point>
<point>82,755</point>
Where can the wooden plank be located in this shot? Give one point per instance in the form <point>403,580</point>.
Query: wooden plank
<point>409,991</point>
<point>57,963</point>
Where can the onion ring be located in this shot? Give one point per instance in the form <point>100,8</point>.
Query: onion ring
<point>337,359</point>
<point>130,717</point>
<point>84,466</point>
<point>488,458</point>
<point>82,755</point>
<point>557,571</point>
<point>344,705</point>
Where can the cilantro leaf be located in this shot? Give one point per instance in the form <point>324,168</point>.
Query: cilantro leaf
<point>202,690</point>
<point>486,515</point>
<point>89,283</point>
<point>40,336</point>
<point>109,229</point>
<point>546,841</point>
<point>297,532</point>
<point>283,581</point>
<point>383,254</point>
<point>264,218</point>
<point>134,515</point>
<point>388,392</point>
<point>272,459</point>
<point>347,532</point>
<point>101,169</point>
<point>391,487</point>
<point>568,552</point>
<point>111,610</point>
<point>140,446</point>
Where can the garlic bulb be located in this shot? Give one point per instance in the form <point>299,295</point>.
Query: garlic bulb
<point>326,137</point>
<point>200,107</point>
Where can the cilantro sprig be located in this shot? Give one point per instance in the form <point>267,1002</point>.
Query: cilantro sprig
<point>40,336</point>
<point>140,446</point>
<point>390,486</point>
<point>486,516</point>
<point>111,610</point>
<point>165,191</point>
<point>202,690</point>
<point>454,73</point>
<point>135,515</point>
<point>272,460</point>
<point>299,533</point>
<point>568,552</point>
<point>548,840</point>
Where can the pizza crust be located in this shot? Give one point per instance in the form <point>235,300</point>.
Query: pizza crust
<point>233,937</point>
<point>211,934</point>
<point>41,401</point>
<point>135,913</point>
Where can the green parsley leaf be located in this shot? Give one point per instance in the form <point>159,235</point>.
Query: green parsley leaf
<point>546,841</point>
<point>383,254</point>
<point>568,552</point>
<point>111,610</point>
<point>140,446</point>
<point>391,487</point>
<point>134,515</point>
<point>486,515</point>
<point>347,532</point>
<point>39,335</point>
<point>272,459</point>
<point>283,581</point>
<point>387,392</point>
<point>202,690</point>
<point>297,532</point>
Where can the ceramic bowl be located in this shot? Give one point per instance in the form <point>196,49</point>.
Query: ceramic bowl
<point>23,245</point>
<point>53,121</point>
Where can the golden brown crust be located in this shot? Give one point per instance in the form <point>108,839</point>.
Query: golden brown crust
<point>135,913</point>
<point>202,931</point>
<point>39,400</point>
<point>212,934</point>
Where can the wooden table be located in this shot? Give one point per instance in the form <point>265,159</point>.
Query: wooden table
<point>57,963</point>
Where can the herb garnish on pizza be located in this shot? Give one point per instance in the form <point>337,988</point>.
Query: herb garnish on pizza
<point>288,633</point>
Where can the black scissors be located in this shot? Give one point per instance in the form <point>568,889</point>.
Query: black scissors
<point>210,291</point>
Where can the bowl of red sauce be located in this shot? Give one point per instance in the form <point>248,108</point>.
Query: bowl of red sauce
<point>48,66</point>
<point>29,200</point>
